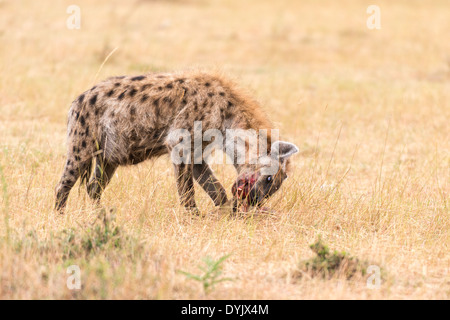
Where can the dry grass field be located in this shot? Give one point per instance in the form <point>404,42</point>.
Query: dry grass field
<point>369,110</point>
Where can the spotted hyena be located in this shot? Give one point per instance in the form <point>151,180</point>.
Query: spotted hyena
<point>129,119</point>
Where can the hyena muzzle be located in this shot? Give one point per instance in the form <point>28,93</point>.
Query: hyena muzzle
<point>129,119</point>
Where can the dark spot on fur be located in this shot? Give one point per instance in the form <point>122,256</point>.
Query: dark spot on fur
<point>167,100</point>
<point>144,98</point>
<point>83,144</point>
<point>230,104</point>
<point>156,135</point>
<point>169,86</point>
<point>117,84</point>
<point>138,78</point>
<point>145,86</point>
<point>77,158</point>
<point>210,94</point>
<point>222,93</point>
<point>159,88</point>
<point>87,130</point>
<point>87,115</point>
<point>134,136</point>
<point>132,92</point>
<point>110,93</point>
<point>156,104</point>
<point>132,110</point>
<point>228,114</point>
<point>81,98</point>
<point>92,100</point>
<point>93,88</point>
<point>207,84</point>
<point>82,121</point>
<point>71,172</point>
<point>120,97</point>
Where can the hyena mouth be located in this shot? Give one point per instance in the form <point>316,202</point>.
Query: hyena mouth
<point>241,191</point>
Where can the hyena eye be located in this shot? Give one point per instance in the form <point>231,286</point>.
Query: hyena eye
<point>269,179</point>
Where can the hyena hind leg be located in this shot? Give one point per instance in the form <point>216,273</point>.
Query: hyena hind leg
<point>103,174</point>
<point>73,170</point>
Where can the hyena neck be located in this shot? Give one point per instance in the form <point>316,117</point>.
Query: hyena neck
<point>255,145</point>
<point>245,168</point>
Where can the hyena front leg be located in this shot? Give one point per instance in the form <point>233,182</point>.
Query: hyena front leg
<point>183,167</point>
<point>205,177</point>
<point>73,169</point>
<point>104,171</point>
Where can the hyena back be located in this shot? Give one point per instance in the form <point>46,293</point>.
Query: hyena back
<point>126,120</point>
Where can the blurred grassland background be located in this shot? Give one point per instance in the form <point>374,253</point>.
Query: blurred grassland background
<point>369,110</point>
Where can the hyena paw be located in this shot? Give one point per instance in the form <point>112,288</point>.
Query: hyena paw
<point>193,210</point>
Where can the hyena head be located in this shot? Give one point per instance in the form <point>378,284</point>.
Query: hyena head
<point>253,187</point>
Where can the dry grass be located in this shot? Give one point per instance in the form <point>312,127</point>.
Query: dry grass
<point>369,110</point>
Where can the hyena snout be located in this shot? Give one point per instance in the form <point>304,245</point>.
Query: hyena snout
<point>253,188</point>
<point>266,187</point>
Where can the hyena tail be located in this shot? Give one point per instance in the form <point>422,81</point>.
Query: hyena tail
<point>81,151</point>
<point>73,170</point>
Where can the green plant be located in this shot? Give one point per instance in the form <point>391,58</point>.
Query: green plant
<point>101,235</point>
<point>212,270</point>
<point>327,264</point>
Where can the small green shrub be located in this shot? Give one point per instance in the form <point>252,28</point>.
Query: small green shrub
<point>103,234</point>
<point>326,264</point>
<point>101,237</point>
<point>211,273</point>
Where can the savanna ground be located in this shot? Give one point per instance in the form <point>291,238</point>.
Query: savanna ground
<point>369,110</point>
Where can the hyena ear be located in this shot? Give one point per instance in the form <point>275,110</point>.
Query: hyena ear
<point>283,150</point>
